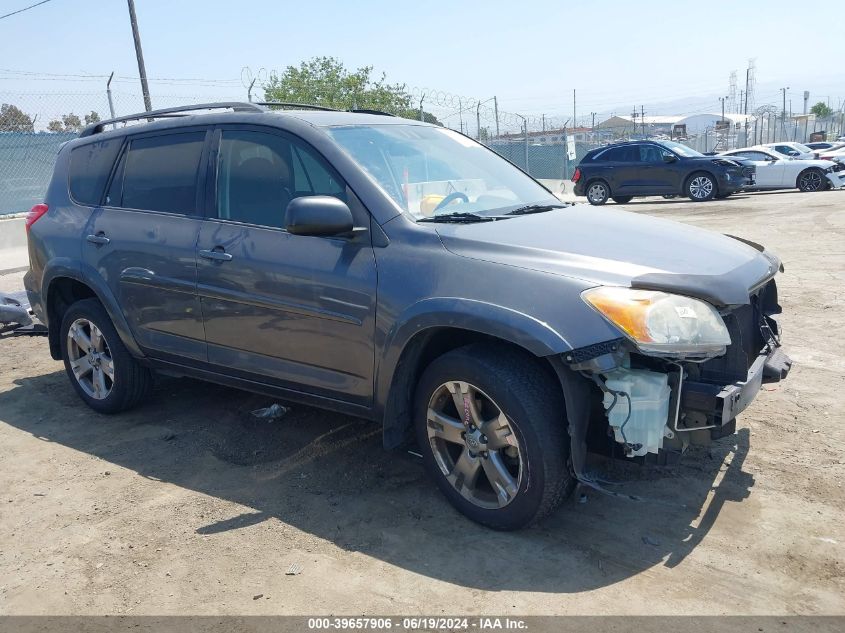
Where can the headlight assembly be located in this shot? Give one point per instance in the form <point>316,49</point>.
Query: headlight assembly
<point>660,323</point>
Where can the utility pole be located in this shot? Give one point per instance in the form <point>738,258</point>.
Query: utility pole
<point>722,99</point>
<point>783,112</point>
<point>140,55</point>
<point>642,120</point>
<point>422,98</point>
<point>544,122</point>
<point>593,129</point>
<point>574,118</point>
<point>478,121</point>
<point>496,108</point>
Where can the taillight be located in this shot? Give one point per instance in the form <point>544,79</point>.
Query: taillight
<point>577,175</point>
<point>34,213</point>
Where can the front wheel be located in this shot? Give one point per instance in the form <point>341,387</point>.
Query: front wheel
<point>812,179</point>
<point>597,193</point>
<point>99,366</point>
<point>700,187</point>
<point>490,424</point>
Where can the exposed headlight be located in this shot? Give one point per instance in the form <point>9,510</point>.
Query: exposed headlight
<point>661,323</point>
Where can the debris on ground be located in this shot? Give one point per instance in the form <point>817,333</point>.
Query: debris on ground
<point>273,412</point>
<point>257,596</point>
<point>294,570</point>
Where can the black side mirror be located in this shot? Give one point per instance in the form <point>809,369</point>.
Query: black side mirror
<point>669,158</point>
<point>318,215</point>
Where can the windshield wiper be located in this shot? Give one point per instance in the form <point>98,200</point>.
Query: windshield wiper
<point>535,208</point>
<point>461,217</point>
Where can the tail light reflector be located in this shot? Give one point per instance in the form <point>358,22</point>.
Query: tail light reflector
<point>34,214</point>
<point>577,175</point>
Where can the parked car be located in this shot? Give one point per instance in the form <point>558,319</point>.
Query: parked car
<point>652,168</point>
<point>776,171</point>
<point>822,146</point>
<point>402,272</point>
<point>837,155</point>
<point>793,150</point>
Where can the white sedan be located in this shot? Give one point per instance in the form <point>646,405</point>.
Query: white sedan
<point>793,150</point>
<point>776,171</point>
<point>836,155</point>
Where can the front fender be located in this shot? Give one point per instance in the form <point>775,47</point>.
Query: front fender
<point>64,267</point>
<point>497,321</point>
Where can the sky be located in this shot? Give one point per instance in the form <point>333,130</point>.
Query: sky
<point>669,56</point>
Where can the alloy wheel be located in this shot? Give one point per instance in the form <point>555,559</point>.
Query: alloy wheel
<point>474,445</point>
<point>700,187</point>
<point>597,192</point>
<point>810,181</point>
<point>90,359</point>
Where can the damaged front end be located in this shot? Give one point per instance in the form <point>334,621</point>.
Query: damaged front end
<point>678,377</point>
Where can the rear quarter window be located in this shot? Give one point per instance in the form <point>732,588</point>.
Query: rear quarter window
<point>90,166</point>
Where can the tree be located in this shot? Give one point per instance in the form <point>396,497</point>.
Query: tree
<point>821,110</point>
<point>13,119</point>
<point>325,81</point>
<point>72,123</point>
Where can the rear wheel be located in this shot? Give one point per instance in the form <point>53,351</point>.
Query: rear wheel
<point>99,366</point>
<point>598,192</point>
<point>622,199</point>
<point>812,179</point>
<point>700,187</point>
<point>490,426</point>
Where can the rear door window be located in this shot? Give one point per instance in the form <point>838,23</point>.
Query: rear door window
<point>90,166</point>
<point>160,173</point>
<point>626,154</point>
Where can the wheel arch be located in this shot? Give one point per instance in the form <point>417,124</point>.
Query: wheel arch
<point>412,346</point>
<point>64,286</point>
<point>808,169</point>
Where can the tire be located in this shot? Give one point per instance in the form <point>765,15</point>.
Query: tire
<point>524,434</point>
<point>597,192</point>
<point>812,179</point>
<point>700,187</point>
<point>110,380</point>
<point>622,199</point>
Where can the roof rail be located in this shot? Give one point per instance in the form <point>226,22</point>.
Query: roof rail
<point>368,111</point>
<point>290,104</point>
<point>238,106</point>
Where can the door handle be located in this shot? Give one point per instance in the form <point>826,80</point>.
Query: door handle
<point>216,255</point>
<point>99,239</point>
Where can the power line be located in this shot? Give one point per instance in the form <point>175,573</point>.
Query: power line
<point>32,6</point>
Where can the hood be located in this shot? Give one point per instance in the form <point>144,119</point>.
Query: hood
<point>608,247</point>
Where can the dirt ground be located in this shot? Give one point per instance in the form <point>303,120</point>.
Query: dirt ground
<point>189,505</point>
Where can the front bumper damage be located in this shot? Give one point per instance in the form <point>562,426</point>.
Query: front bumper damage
<point>696,402</point>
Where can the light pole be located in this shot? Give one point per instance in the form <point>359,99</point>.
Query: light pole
<point>140,55</point>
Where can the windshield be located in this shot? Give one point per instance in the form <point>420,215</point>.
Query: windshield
<point>434,171</point>
<point>682,150</point>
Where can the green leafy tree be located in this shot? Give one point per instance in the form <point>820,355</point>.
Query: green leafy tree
<point>13,119</point>
<point>72,123</point>
<point>821,110</point>
<point>325,81</point>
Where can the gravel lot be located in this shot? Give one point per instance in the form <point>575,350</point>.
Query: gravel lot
<point>190,505</point>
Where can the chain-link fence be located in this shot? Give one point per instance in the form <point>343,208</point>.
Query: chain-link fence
<point>33,127</point>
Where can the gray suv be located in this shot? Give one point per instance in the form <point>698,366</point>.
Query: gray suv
<point>402,272</point>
